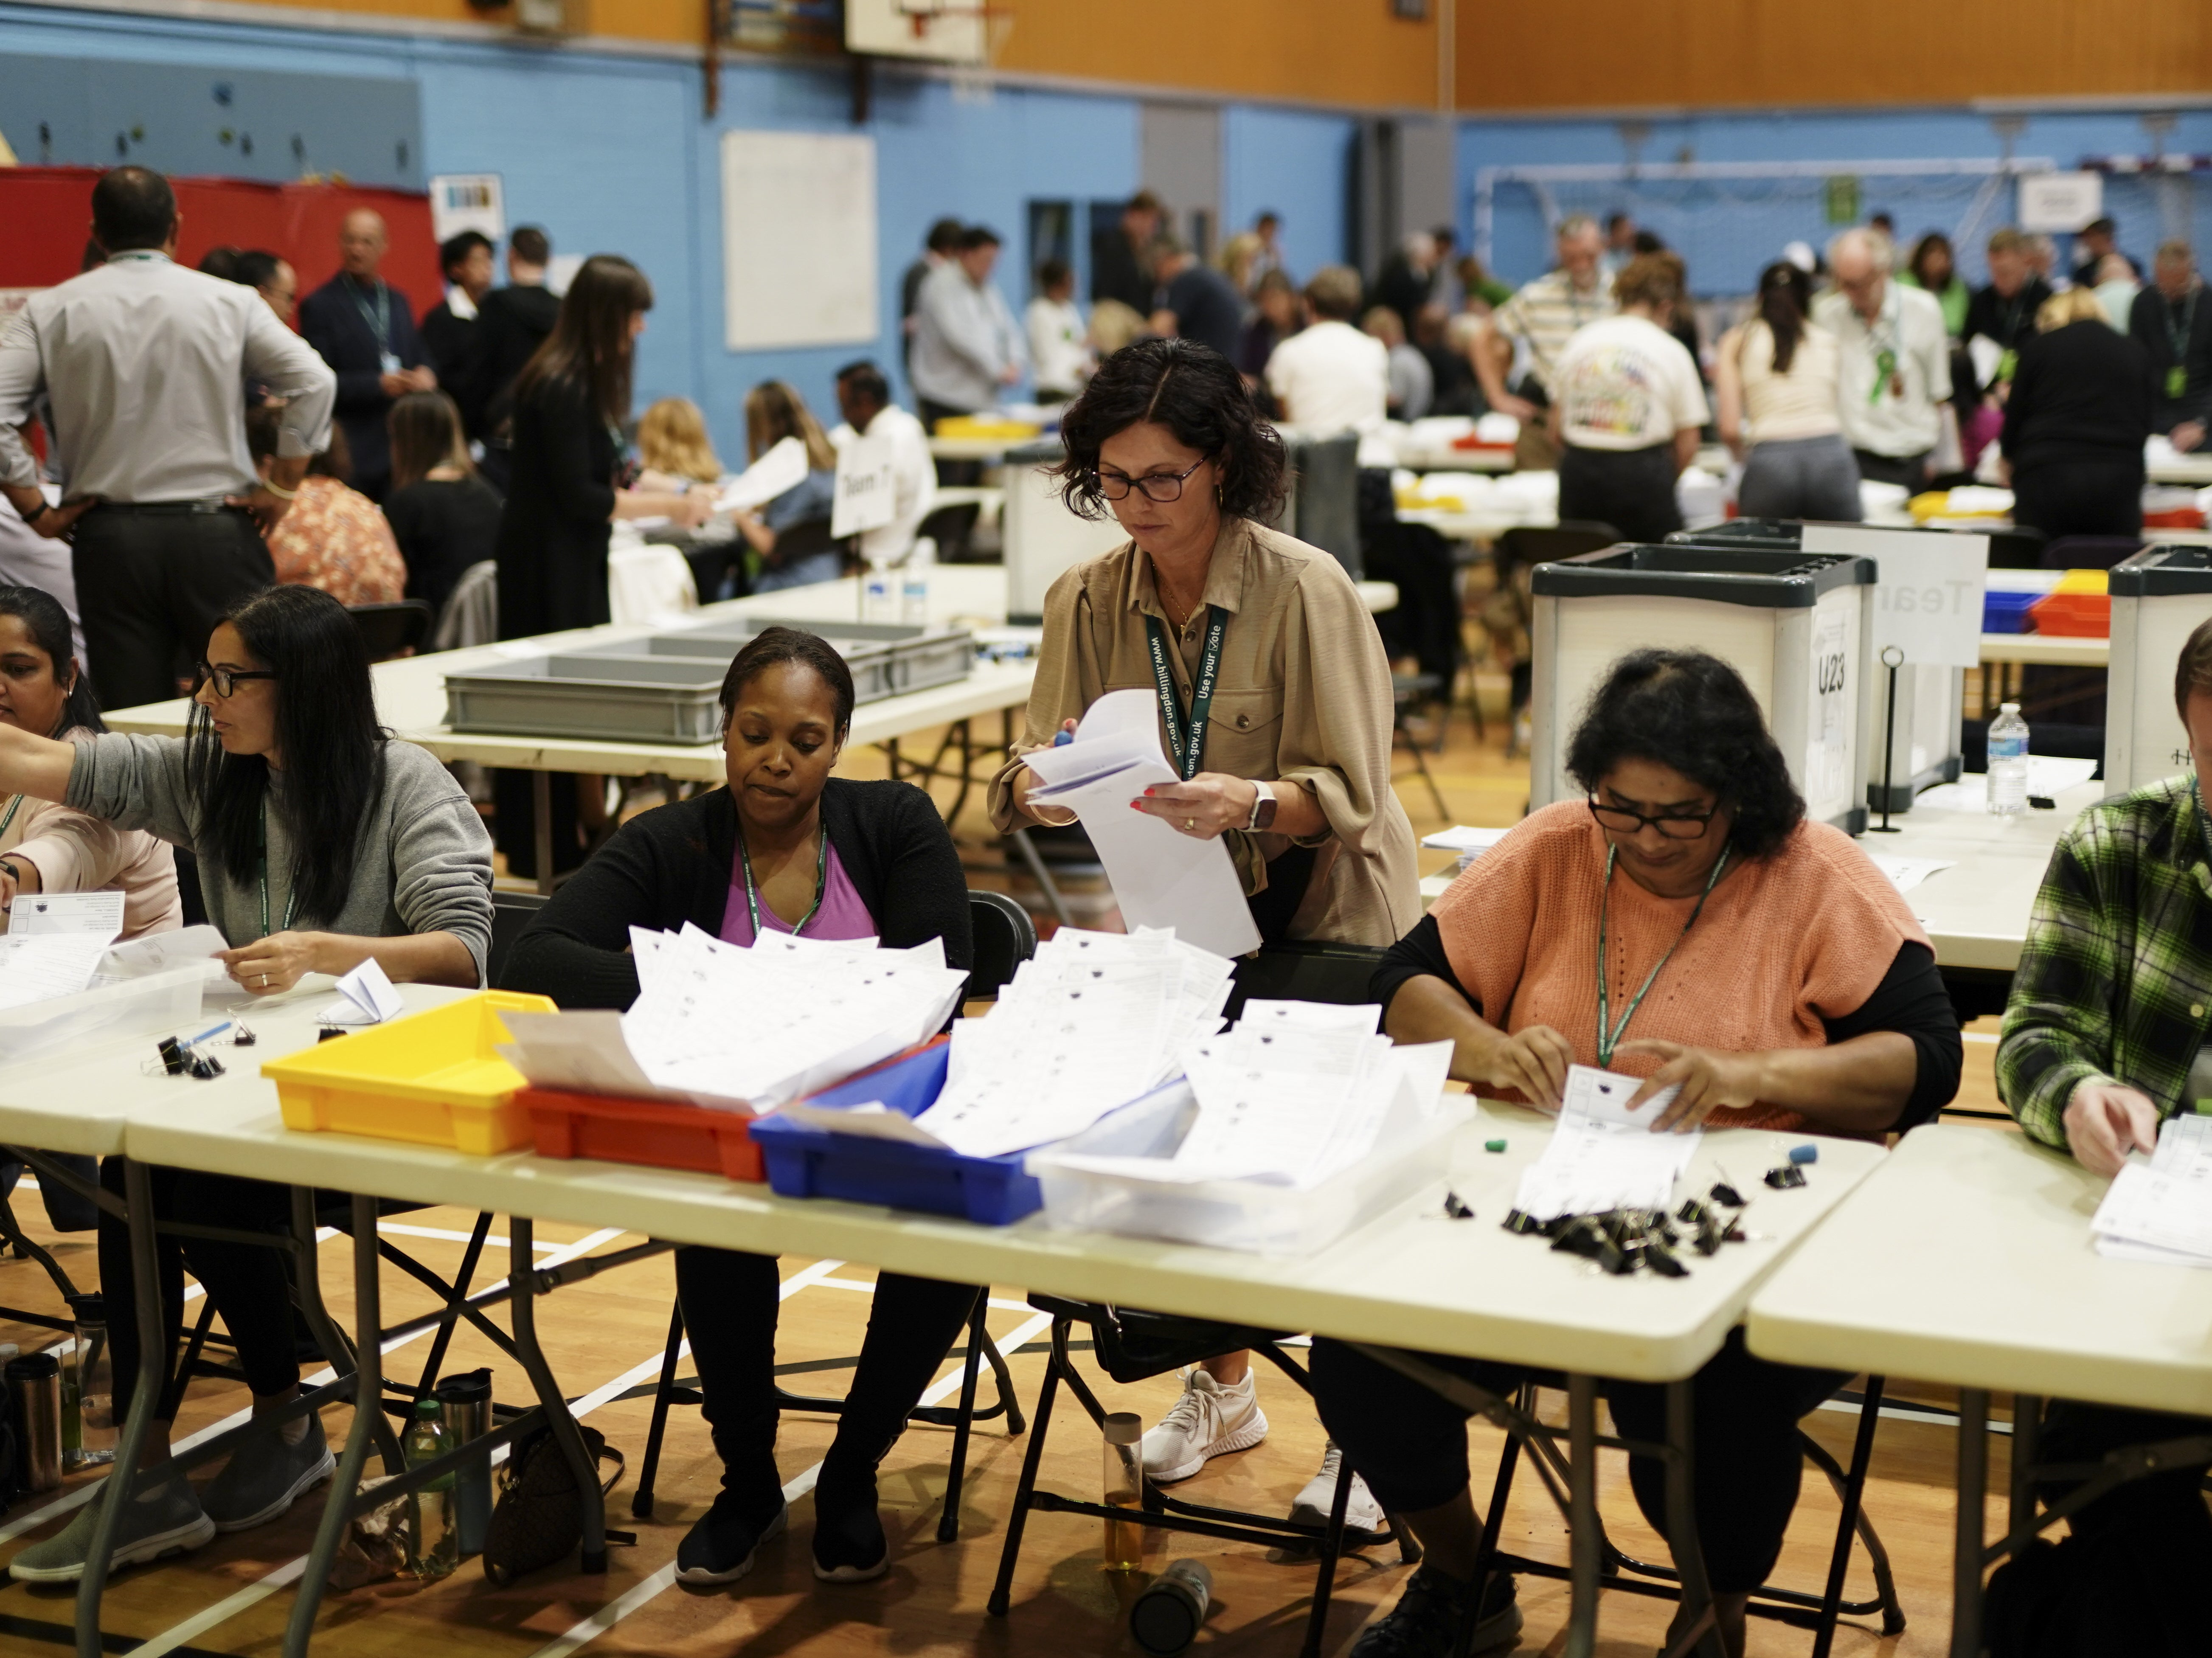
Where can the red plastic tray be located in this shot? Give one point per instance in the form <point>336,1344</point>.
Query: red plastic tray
<point>2078,615</point>
<point>648,1131</point>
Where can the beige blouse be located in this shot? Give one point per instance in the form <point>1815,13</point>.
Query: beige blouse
<point>1303,696</point>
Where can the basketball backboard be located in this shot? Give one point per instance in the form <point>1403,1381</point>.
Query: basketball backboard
<point>944,31</point>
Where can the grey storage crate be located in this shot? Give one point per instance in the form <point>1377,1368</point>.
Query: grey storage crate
<point>1795,625</point>
<point>666,687</point>
<point>2159,597</point>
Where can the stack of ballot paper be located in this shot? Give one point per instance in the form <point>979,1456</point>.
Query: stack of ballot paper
<point>55,944</point>
<point>1161,876</point>
<point>1091,1021</point>
<point>1602,1156</point>
<point>2159,1209</point>
<point>722,1025</point>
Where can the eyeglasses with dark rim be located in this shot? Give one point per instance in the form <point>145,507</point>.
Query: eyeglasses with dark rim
<point>1675,825</point>
<point>1158,487</point>
<point>228,680</point>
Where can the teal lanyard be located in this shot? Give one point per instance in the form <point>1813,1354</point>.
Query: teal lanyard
<point>14,806</point>
<point>292,902</point>
<point>1189,743</point>
<point>2178,339</point>
<point>1608,1034</point>
<point>821,883</point>
<point>379,319</point>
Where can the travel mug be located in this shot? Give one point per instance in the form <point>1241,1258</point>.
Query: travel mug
<point>34,1399</point>
<point>464,1403</point>
<point>1167,1615</point>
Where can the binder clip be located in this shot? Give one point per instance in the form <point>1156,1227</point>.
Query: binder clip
<point>1785,1178</point>
<point>1723,1193</point>
<point>1455,1209</point>
<point>1522,1224</point>
<point>241,1036</point>
<point>179,1060</point>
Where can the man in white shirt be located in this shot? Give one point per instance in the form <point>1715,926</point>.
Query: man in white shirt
<point>1330,378</point>
<point>864,397</point>
<point>1627,405</point>
<point>1893,362</point>
<point>1060,344</point>
<point>145,365</point>
<point>968,350</point>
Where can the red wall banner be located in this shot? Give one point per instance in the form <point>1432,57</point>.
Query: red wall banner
<point>48,213</point>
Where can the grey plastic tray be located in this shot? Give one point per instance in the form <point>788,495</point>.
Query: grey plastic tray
<point>666,687</point>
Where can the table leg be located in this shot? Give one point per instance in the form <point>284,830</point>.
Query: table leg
<point>1582,1515</point>
<point>1042,876</point>
<point>1682,1519</point>
<point>145,1400</point>
<point>892,755</point>
<point>368,1418</point>
<point>541,802</point>
<point>590,1501</point>
<point>1966,1546</point>
<point>2026,1442</point>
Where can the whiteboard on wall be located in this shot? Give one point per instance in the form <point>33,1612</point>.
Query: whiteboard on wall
<point>799,239</point>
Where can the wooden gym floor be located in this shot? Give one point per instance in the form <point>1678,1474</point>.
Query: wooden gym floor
<point>604,1337</point>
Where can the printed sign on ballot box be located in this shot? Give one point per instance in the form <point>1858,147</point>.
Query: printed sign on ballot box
<point>1928,588</point>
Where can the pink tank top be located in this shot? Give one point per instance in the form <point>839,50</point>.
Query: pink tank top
<point>843,914</point>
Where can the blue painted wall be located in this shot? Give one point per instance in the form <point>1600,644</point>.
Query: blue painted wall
<point>1725,248</point>
<point>1294,163</point>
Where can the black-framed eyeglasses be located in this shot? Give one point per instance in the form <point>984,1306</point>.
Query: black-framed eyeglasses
<point>1675,825</point>
<point>1160,487</point>
<point>228,680</point>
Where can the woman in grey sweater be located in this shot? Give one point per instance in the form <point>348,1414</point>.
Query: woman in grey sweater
<point>321,843</point>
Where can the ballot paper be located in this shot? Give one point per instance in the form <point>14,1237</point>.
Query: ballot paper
<point>1463,839</point>
<point>1091,1021</point>
<point>44,965</point>
<point>36,913</point>
<point>1603,1155</point>
<point>366,996</point>
<point>157,952</point>
<point>2161,1208</point>
<point>2048,774</point>
<point>1161,876</point>
<point>783,467</point>
<point>1906,873</point>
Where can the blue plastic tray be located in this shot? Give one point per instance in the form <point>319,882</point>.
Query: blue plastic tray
<point>812,1163</point>
<point>2006,613</point>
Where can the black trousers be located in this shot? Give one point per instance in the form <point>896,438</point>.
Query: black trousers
<point>729,1304</point>
<point>1409,1445</point>
<point>2080,497</point>
<point>1632,489</point>
<point>245,1282</point>
<point>65,1210</point>
<point>1911,470</point>
<point>150,587</point>
<point>961,474</point>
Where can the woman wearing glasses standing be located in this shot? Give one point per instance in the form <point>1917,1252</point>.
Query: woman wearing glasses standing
<point>322,843</point>
<point>1685,924</point>
<point>1292,764</point>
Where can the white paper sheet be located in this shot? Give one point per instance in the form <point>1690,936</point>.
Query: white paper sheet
<point>2162,1207</point>
<point>1464,838</point>
<point>782,467</point>
<point>35,913</point>
<point>1161,877</point>
<point>157,952</point>
<point>1906,873</point>
<point>1602,1156</point>
<point>39,968</point>
<point>366,996</point>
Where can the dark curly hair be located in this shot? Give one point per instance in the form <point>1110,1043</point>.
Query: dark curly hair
<point>1197,394</point>
<point>1691,710</point>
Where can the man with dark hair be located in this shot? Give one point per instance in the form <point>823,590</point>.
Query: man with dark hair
<point>365,330</point>
<point>142,362</point>
<point>1196,301</point>
<point>2094,243</point>
<point>272,277</point>
<point>967,349</point>
<point>1117,254</point>
<point>940,246</point>
<point>895,444</point>
<point>513,322</point>
<point>450,328</point>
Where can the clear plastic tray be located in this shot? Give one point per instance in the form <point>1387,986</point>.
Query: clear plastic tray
<point>157,1004</point>
<point>1249,1216</point>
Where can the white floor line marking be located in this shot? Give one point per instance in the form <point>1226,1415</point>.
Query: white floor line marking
<point>261,1588</point>
<point>650,1588</point>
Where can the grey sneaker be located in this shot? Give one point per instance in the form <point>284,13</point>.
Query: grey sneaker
<point>264,1476</point>
<point>166,1519</point>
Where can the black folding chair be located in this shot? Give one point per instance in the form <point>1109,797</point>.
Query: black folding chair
<point>394,629</point>
<point>1521,549</point>
<point>1004,938</point>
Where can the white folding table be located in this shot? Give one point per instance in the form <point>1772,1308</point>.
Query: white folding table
<point>1966,1258</point>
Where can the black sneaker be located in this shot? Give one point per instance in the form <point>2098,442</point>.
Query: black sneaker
<point>849,1546</point>
<point>721,1547</point>
<point>1436,1617</point>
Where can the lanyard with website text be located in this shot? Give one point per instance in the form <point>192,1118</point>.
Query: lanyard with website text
<point>379,319</point>
<point>14,806</point>
<point>1609,1034</point>
<point>1188,744</point>
<point>292,902</point>
<point>2176,374</point>
<point>821,881</point>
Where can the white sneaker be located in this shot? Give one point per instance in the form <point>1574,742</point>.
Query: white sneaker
<point>1209,1420</point>
<point>1361,1513</point>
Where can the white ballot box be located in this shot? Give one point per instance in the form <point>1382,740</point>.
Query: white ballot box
<point>2159,596</point>
<point>1796,625</point>
<point>1042,536</point>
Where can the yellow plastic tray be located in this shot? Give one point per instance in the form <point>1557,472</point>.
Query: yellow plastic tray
<point>433,1078</point>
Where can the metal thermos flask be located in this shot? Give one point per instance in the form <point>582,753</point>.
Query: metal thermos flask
<point>464,1405</point>
<point>34,1402</point>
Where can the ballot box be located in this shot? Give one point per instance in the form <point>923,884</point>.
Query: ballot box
<point>2159,596</point>
<point>1795,625</point>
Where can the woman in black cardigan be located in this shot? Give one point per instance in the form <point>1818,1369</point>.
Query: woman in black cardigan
<point>2076,420</point>
<point>786,848</point>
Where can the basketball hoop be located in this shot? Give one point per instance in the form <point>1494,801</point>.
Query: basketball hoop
<point>967,36</point>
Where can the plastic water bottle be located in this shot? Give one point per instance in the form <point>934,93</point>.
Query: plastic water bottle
<point>879,595</point>
<point>2008,774</point>
<point>437,1525</point>
<point>914,597</point>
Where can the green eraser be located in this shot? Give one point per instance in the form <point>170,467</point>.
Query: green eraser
<point>1499,1145</point>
